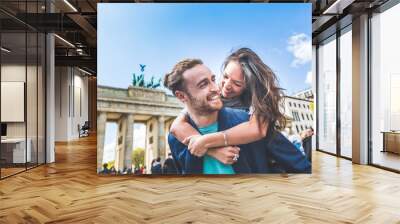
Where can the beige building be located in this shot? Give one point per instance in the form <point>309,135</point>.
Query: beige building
<point>301,113</point>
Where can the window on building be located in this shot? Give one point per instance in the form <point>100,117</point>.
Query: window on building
<point>297,128</point>
<point>290,104</point>
<point>296,116</point>
<point>302,116</point>
<point>307,117</point>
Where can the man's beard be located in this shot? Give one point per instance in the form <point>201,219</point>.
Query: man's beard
<point>201,106</point>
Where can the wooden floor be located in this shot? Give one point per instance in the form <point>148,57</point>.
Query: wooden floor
<point>70,191</point>
<point>10,171</point>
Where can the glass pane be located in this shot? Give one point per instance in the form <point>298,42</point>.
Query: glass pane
<point>41,98</point>
<point>14,151</point>
<point>327,96</point>
<point>346,94</point>
<point>31,98</point>
<point>385,86</point>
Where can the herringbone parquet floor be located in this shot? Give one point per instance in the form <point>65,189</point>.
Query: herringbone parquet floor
<point>70,191</point>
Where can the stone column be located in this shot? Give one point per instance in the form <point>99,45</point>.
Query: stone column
<point>167,127</point>
<point>120,151</point>
<point>128,148</point>
<point>161,137</point>
<point>150,153</point>
<point>101,128</point>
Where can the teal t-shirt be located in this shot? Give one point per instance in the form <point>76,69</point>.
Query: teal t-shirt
<point>210,164</point>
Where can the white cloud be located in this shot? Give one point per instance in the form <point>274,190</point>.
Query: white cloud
<point>309,78</point>
<point>300,46</point>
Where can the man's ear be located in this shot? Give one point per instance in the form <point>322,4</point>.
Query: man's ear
<point>181,96</point>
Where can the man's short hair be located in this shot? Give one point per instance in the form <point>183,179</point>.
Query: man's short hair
<point>174,80</point>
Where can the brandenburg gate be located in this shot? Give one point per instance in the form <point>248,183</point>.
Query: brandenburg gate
<point>152,107</point>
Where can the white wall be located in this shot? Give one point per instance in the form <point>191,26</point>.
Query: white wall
<point>71,94</point>
<point>61,103</point>
<point>81,100</point>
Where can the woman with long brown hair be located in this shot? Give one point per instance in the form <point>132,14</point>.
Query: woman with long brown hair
<point>248,83</point>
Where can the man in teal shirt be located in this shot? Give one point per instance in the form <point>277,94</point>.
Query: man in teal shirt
<point>210,164</point>
<point>194,84</point>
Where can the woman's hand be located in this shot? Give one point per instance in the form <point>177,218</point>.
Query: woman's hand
<point>196,145</point>
<point>226,155</point>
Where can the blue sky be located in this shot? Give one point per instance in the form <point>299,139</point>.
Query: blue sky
<point>159,35</point>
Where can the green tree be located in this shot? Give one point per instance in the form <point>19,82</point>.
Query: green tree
<point>138,156</point>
